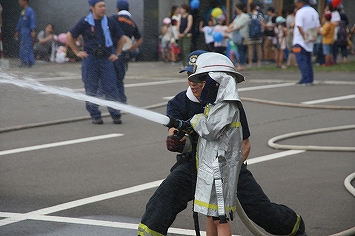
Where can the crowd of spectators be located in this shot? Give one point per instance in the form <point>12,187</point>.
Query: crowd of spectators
<point>184,24</point>
<point>273,45</point>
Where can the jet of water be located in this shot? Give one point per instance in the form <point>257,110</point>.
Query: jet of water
<point>67,92</point>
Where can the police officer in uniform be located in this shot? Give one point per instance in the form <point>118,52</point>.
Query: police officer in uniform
<point>99,32</point>
<point>130,29</point>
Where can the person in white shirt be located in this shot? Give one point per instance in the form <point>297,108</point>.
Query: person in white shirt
<point>305,33</point>
<point>208,33</point>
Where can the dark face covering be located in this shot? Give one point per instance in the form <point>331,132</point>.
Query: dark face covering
<point>210,90</point>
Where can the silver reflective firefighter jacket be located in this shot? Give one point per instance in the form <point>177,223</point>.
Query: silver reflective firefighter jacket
<point>219,151</point>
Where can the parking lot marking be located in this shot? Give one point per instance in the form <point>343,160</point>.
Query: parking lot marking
<point>91,222</point>
<point>266,87</point>
<point>60,78</point>
<point>253,88</point>
<point>98,198</point>
<point>68,205</point>
<point>273,156</point>
<point>180,81</point>
<point>57,144</point>
<point>329,99</point>
<point>173,81</point>
<point>42,214</point>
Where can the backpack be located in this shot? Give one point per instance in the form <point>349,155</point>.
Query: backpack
<point>342,34</point>
<point>255,31</point>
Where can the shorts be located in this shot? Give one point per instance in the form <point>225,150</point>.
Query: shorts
<point>175,48</point>
<point>327,49</point>
<point>165,44</point>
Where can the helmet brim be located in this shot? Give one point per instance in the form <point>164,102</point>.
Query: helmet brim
<point>196,77</point>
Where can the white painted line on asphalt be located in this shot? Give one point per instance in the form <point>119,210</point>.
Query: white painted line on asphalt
<point>179,81</point>
<point>57,144</point>
<point>98,198</point>
<point>329,99</point>
<point>69,77</point>
<point>273,156</point>
<point>266,87</point>
<point>154,83</point>
<point>41,214</point>
<point>80,202</point>
<point>167,98</point>
<point>252,88</point>
<point>103,223</point>
<point>136,85</point>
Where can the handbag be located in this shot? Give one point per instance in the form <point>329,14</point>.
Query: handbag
<point>237,38</point>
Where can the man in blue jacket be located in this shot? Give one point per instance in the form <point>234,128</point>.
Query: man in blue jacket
<point>26,32</point>
<point>99,53</point>
<point>130,29</point>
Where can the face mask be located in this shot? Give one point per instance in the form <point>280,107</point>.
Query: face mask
<point>210,90</point>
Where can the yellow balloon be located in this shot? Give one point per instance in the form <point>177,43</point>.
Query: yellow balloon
<point>216,12</point>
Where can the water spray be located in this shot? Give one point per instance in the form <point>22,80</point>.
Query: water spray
<point>67,92</point>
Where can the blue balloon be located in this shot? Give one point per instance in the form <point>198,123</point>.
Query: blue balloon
<point>218,37</point>
<point>194,4</point>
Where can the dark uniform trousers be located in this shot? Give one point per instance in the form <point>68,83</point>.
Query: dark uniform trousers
<point>173,195</point>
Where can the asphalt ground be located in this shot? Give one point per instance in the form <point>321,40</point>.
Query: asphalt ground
<point>62,175</point>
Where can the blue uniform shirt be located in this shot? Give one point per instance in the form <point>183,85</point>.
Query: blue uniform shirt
<point>27,21</point>
<point>94,36</point>
<point>128,26</point>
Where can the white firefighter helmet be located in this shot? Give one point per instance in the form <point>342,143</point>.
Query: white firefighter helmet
<point>214,62</point>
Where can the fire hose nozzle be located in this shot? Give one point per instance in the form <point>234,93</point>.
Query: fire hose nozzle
<point>179,124</point>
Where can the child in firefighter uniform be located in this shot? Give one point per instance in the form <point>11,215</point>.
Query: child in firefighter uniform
<point>219,150</point>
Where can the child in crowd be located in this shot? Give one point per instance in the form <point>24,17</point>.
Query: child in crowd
<point>233,52</point>
<point>221,27</point>
<point>174,45</point>
<point>327,31</point>
<point>280,41</point>
<point>166,34</point>
<point>208,33</point>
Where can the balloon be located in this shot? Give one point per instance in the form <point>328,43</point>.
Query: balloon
<point>216,12</point>
<point>194,4</point>
<point>218,37</point>
<point>335,3</point>
<point>167,20</point>
<point>62,38</point>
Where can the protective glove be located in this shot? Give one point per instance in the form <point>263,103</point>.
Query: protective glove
<point>175,143</point>
<point>181,125</point>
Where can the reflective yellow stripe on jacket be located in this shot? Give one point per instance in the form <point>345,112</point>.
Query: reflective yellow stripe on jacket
<point>212,206</point>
